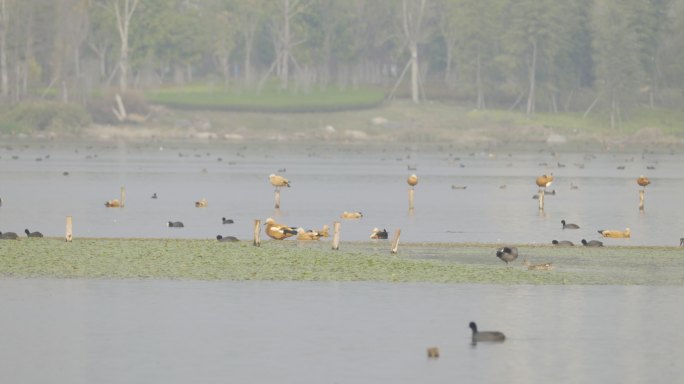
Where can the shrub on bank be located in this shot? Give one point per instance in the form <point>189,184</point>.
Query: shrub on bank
<point>270,99</point>
<point>100,106</point>
<point>43,116</point>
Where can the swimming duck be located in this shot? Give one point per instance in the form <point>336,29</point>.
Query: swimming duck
<point>507,254</point>
<point>592,243</point>
<point>154,195</point>
<point>202,203</point>
<point>113,203</point>
<point>351,215</point>
<point>538,267</point>
<point>226,238</point>
<point>175,224</point>
<point>544,181</point>
<point>278,181</point>
<point>378,234</point>
<point>569,226</point>
<point>643,181</point>
<point>227,221</point>
<point>616,234</point>
<point>307,235</point>
<point>278,231</point>
<point>8,236</point>
<point>412,180</point>
<point>494,336</point>
<point>32,234</point>
<point>562,243</point>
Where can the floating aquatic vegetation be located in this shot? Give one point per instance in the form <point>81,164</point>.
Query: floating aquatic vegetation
<point>362,261</point>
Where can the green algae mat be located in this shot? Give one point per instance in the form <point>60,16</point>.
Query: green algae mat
<point>362,261</point>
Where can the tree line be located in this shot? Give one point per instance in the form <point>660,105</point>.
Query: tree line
<point>532,55</point>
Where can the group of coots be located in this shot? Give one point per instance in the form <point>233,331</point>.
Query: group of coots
<point>508,254</point>
<point>179,224</point>
<point>14,236</point>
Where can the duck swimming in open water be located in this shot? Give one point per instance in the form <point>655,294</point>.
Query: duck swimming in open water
<point>351,215</point>
<point>569,225</point>
<point>487,336</point>
<point>615,234</point>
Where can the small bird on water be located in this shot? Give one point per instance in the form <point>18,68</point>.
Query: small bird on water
<point>487,336</point>
<point>569,225</point>
<point>351,215</point>
<point>615,233</point>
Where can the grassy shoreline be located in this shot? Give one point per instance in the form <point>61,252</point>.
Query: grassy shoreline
<point>353,116</point>
<point>355,261</point>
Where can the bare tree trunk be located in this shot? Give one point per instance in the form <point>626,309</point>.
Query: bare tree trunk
<point>478,80</point>
<point>123,22</point>
<point>224,63</point>
<point>414,73</point>
<point>249,45</point>
<point>285,56</point>
<point>533,77</point>
<point>411,24</point>
<point>449,59</point>
<point>4,77</point>
<point>612,111</point>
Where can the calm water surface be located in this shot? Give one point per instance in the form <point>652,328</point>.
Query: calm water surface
<point>143,331</point>
<point>496,206</point>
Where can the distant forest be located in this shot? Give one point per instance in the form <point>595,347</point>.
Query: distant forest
<point>529,55</point>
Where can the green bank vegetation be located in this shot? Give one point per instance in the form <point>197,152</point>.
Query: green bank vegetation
<point>309,261</point>
<point>271,99</point>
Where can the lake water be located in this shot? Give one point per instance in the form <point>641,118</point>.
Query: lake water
<point>328,179</point>
<point>144,331</point>
<point>150,331</point>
